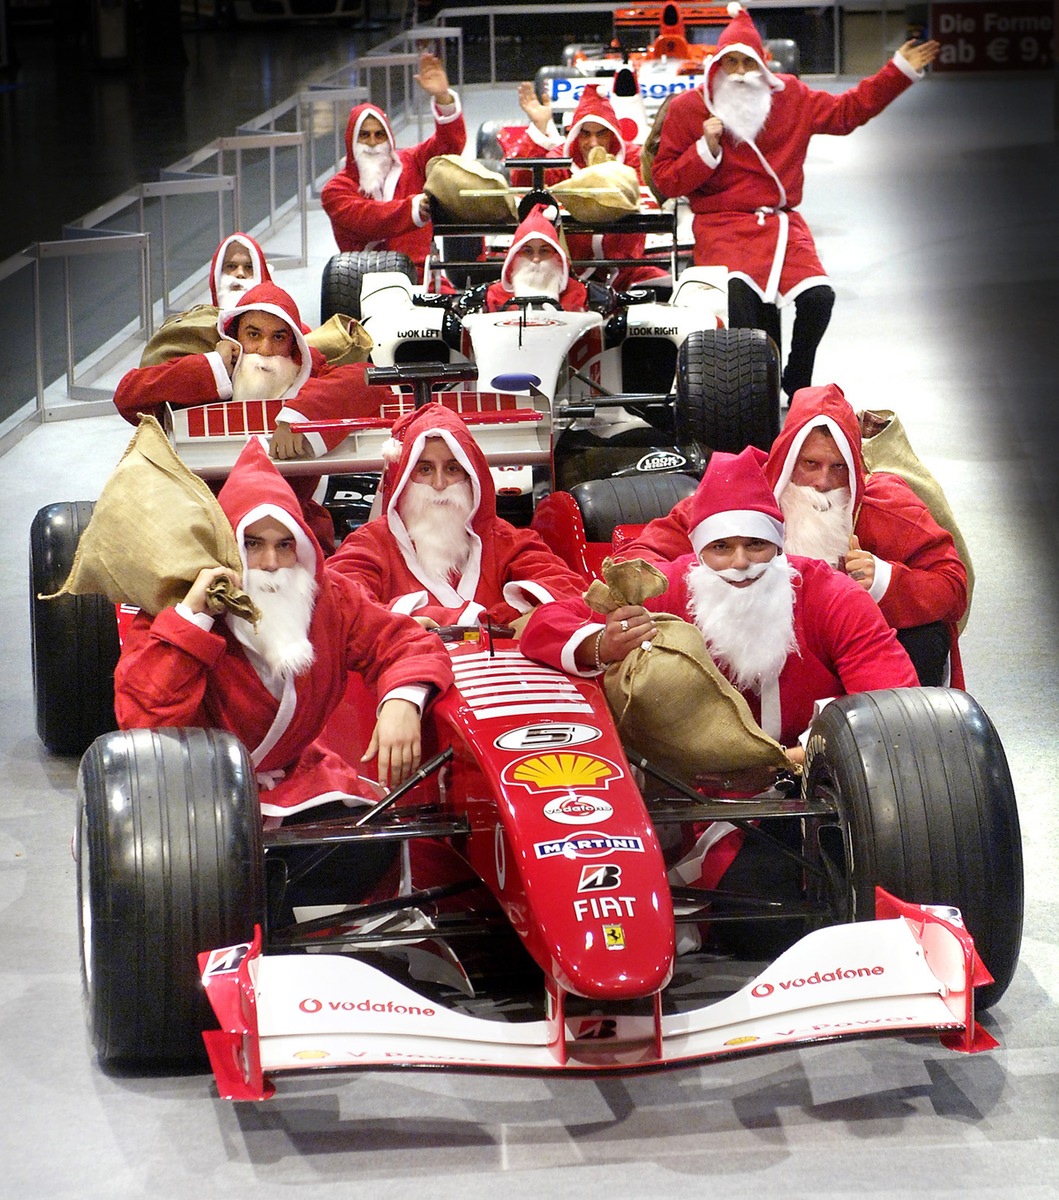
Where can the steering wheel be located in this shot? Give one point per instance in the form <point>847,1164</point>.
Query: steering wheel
<point>524,302</point>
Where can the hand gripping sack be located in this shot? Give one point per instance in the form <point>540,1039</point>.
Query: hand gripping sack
<point>153,529</point>
<point>671,703</point>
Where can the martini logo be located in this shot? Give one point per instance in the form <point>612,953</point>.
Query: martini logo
<point>590,844</point>
<point>600,879</point>
<point>549,772</point>
<point>577,810</point>
<point>547,737</point>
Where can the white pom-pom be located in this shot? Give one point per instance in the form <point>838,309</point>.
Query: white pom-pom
<point>391,450</point>
<point>735,8</point>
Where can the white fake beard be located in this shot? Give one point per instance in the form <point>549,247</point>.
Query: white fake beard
<point>742,102</point>
<point>374,164</point>
<point>263,376</point>
<point>817,524</point>
<point>749,631</point>
<point>230,289</point>
<point>529,278</point>
<point>437,524</point>
<point>281,643</point>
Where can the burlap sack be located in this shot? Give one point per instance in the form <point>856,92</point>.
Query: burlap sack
<point>154,527</point>
<point>340,340</point>
<point>602,192</point>
<point>650,148</point>
<point>671,703</point>
<point>467,191</point>
<point>885,447</point>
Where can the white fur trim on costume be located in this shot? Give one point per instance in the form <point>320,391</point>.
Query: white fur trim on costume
<point>471,614</point>
<point>711,160</point>
<point>841,441</point>
<point>524,594</point>
<point>566,658</point>
<point>409,603</point>
<point>883,574</point>
<point>305,550</point>
<point>736,522</point>
<point>202,620</point>
<point>291,416</point>
<point>414,693</point>
<point>221,378</point>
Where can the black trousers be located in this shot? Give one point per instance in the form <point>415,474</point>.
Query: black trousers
<point>928,648</point>
<point>812,315</point>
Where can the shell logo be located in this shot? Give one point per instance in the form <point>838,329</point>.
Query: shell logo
<point>745,1039</point>
<point>544,772</point>
<point>310,1055</point>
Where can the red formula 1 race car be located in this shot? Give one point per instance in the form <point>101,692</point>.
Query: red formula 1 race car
<point>556,934</point>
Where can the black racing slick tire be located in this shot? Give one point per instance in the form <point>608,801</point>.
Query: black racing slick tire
<point>728,389</point>
<point>628,500</point>
<point>344,274</point>
<point>170,863</point>
<point>924,808</point>
<point>74,639</point>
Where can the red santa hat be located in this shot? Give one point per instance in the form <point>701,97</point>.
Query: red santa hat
<point>267,297</point>
<point>593,107</point>
<point>734,500</point>
<point>740,35</point>
<point>256,489</point>
<point>257,262</point>
<point>535,225</point>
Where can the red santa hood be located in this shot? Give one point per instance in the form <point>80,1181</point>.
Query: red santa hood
<point>267,297</point>
<point>257,258</point>
<point>811,407</point>
<point>734,499</point>
<point>255,489</point>
<point>593,107</point>
<point>741,35</point>
<point>408,440</point>
<point>356,119</point>
<point>536,225</point>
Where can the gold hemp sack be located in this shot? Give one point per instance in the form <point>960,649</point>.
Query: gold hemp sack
<point>885,447</point>
<point>603,191</point>
<point>671,703</point>
<point>340,340</point>
<point>467,191</point>
<point>153,528</point>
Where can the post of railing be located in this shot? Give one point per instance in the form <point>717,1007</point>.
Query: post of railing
<point>308,100</point>
<point>271,142</point>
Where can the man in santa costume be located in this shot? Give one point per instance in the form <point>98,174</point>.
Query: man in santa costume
<point>276,686</point>
<point>238,264</point>
<point>736,148</point>
<point>872,527</point>
<point>377,202</point>
<point>438,551</point>
<point>262,355</point>
<point>786,631</point>
<point>537,265</point>
<point>593,124</point>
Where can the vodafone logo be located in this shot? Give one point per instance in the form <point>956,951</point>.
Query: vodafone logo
<point>310,1006</point>
<point>578,810</point>
<point>838,975</point>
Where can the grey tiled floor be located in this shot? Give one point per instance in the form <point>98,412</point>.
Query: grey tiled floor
<point>937,223</point>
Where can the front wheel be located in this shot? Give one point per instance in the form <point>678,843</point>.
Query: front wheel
<point>728,389</point>
<point>344,275</point>
<point>170,863</point>
<point>925,808</point>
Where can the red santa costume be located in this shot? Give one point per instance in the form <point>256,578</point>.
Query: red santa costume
<point>919,577</point>
<point>841,642</point>
<point>585,246</point>
<point>259,266</point>
<point>508,572</point>
<point>745,198</point>
<point>572,295</point>
<point>390,221</point>
<point>186,669</point>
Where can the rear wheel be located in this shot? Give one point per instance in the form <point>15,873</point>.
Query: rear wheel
<point>925,809</point>
<point>170,863</point>
<point>728,389</point>
<point>344,275</point>
<point>74,639</point>
<point>629,500</point>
